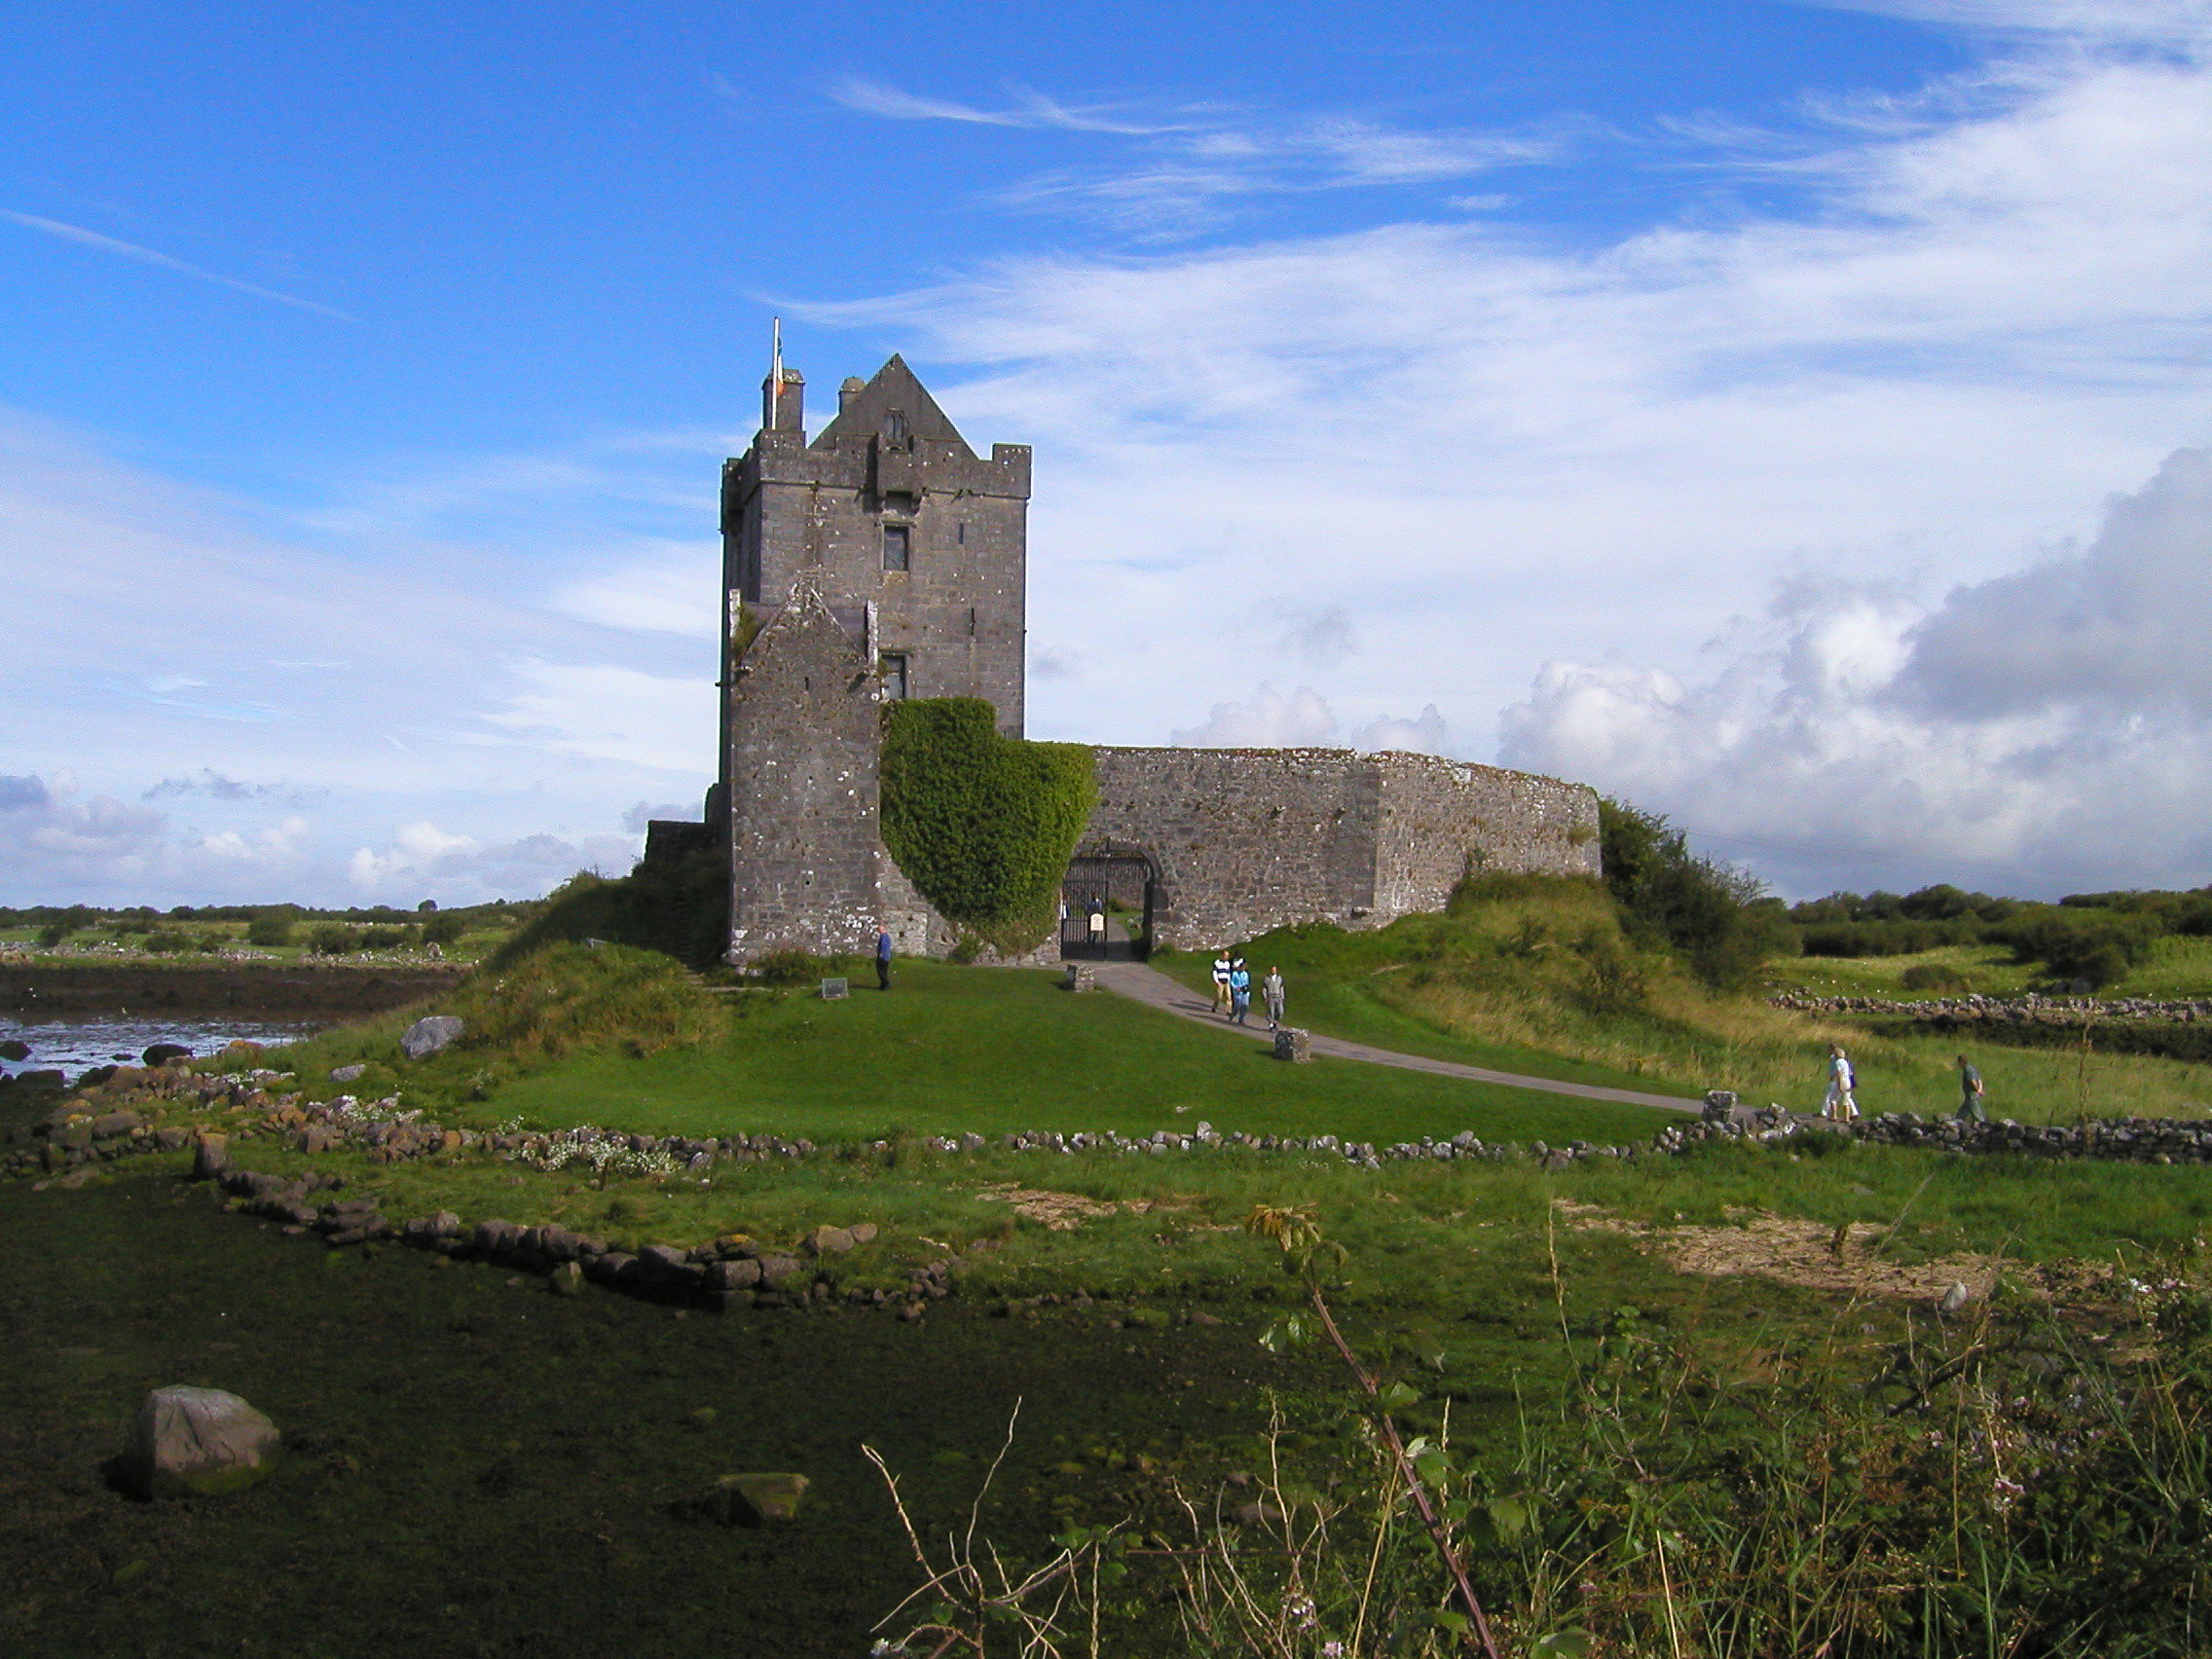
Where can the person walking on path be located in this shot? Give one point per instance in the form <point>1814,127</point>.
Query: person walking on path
<point>1221,982</point>
<point>882,959</point>
<point>1842,1079</point>
<point>1240,991</point>
<point>1970,1092</point>
<point>1272,988</point>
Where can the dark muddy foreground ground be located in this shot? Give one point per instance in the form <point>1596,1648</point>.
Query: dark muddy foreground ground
<point>479,1467</point>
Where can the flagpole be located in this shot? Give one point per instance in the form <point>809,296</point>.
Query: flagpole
<point>776,375</point>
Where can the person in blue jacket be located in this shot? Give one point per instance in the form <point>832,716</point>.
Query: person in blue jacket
<point>882,959</point>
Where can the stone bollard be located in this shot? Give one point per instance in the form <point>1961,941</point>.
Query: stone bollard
<point>1720,1105</point>
<point>836,990</point>
<point>1082,977</point>
<point>210,1155</point>
<point>1294,1045</point>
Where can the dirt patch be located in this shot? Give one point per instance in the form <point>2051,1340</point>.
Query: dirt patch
<point>1062,1212</point>
<point>1758,1244</point>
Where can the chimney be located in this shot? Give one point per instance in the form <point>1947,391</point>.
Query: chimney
<point>854,386</point>
<point>787,413</point>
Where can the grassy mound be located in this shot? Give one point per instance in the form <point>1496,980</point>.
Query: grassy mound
<point>1538,973</point>
<point>680,907</point>
<point>555,1002</point>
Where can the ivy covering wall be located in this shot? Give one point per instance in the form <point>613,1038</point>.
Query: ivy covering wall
<point>983,825</point>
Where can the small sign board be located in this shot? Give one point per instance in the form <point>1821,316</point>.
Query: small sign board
<point>835,989</point>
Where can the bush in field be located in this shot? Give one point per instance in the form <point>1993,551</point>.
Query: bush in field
<point>1719,918</point>
<point>2099,946</point>
<point>331,939</point>
<point>443,929</point>
<point>170,942</point>
<point>270,930</point>
<point>386,939</point>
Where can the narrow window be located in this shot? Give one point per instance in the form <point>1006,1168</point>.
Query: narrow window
<point>960,533</point>
<point>898,541</point>
<point>895,426</point>
<point>893,672</point>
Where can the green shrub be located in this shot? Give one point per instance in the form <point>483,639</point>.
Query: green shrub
<point>792,966</point>
<point>1719,918</point>
<point>270,930</point>
<point>168,941</point>
<point>331,939</point>
<point>443,929</point>
<point>386,939</point>
<point>983,824</point>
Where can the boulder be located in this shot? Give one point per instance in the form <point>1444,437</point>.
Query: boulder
<point>744,1501</point>
<point>349,1074</point>
<point>429,1034</point>
<point>568,1279</point>
<point>162,1053</point>
<point>779,1272</point>
<point>14,1048</point>
<point>202,1441</point>
<point>210,1155</point>
<point>742,1273</point>
<point>828,1241</point>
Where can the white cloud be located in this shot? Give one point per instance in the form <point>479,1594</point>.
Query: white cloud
<point>1270,720</point>
<point>2037,733</point>
<point>1427,733</point>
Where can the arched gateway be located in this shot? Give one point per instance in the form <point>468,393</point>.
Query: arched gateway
<point>1122,886</point>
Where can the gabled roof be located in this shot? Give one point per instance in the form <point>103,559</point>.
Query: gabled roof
<point>894,388</point>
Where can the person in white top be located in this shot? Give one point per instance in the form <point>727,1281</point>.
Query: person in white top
<point>1842,1079</point>
<point>1221,982</point>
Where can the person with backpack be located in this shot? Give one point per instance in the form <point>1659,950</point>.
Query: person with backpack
<point>1842,1079</point>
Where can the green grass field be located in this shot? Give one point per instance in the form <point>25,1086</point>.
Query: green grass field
<point>997,1050</point>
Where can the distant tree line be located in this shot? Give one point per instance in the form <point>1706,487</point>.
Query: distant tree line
<point>329,932</point>
<point>2091,936</point>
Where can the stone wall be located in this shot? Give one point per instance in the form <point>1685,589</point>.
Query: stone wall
<point>802,792</point>
<point>1244,840</point>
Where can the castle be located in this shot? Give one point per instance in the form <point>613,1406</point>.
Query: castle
<point>886,559</point>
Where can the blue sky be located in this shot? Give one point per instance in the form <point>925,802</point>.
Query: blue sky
<point>1723,403</point>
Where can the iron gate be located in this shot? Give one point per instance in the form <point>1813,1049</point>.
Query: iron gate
<point>1119,891</point>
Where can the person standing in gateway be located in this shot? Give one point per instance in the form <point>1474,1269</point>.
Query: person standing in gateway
<point>882,959</point>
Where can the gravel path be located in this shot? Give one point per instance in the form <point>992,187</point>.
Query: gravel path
<point>1154,989</point>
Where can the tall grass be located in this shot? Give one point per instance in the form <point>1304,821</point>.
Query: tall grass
<point>2019,1483</point>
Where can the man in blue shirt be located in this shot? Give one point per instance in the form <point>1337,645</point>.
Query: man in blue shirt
<point>882,959</point>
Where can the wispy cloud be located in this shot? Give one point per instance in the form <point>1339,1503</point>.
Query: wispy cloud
<point>151,256</point>
<point>1185,166</point>
<point>1027,109</point>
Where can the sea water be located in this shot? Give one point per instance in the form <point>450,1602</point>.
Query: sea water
<point>72,1043</point>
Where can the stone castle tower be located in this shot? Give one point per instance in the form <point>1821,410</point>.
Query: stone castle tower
<point>885,559</point>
